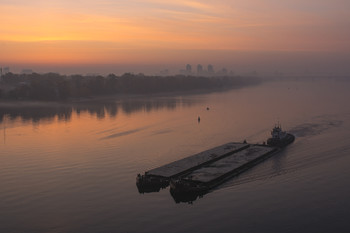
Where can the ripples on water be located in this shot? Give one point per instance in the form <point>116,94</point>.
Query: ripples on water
<point>72,167</point>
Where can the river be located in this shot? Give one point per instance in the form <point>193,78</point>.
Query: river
<point>71,167</point>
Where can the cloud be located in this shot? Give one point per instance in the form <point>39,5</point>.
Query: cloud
<point>109,26</point>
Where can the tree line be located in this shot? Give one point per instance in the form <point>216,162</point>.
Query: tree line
<point>52,86</point>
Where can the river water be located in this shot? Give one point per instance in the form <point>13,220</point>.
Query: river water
<point>72,167</point>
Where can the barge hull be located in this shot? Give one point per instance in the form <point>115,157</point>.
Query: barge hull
<point>218,172</point>
<point>159,177</point>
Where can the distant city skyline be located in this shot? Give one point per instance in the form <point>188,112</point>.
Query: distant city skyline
<point>313,65</point>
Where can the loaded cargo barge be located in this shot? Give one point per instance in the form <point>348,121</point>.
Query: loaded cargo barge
<point>201,172</point>
<point>201,180</point>
<point>210,176</point>
<point>157,178</point>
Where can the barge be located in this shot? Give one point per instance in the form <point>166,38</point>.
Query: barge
<point>157,178</point>
<point>202,180</point>
<point>195,175</point>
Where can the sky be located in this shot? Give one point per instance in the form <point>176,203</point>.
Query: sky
<point>112,35</point>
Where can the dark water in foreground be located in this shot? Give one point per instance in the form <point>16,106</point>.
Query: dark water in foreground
<point>72,168</point>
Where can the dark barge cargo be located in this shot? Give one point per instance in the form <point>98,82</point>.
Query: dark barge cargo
<point>202,180</point>
<point>157,178</point>
<point>197,174</point>
<point>207,177</point>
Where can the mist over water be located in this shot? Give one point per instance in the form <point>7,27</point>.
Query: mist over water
<point>261,63</point>
<point>72,167</point>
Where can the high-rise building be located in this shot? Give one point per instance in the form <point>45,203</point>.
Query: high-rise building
<point>188,68</point>
<point>6,70</point>
<point>210,69</point>
<point>199,69</point>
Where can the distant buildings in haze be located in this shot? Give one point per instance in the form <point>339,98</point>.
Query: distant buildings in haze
<point>3,71</point>
<point>188,68</point>
<point>210,71</point>
<point>27,71</point>
<point>199,69</point>
<point>6,70</point>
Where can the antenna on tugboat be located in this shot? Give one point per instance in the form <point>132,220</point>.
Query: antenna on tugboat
<point>279,124</point>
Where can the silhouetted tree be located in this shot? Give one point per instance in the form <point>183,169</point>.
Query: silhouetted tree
<point>53,86</point>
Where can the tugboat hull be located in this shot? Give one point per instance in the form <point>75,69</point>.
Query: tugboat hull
<point>289,138</point>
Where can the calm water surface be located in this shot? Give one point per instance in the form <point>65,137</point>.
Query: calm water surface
<point>72,167</point>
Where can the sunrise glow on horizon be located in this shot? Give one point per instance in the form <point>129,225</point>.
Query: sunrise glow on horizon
<point>157,31</point>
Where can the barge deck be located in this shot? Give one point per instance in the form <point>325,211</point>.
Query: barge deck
<point>215,173</point>
<point>159,177</point>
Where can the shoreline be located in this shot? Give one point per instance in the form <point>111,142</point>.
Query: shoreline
<point>108,98</point>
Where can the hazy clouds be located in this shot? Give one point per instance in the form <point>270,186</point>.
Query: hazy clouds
<point>160,33</point>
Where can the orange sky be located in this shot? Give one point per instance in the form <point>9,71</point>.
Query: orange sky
<point>144,32</point>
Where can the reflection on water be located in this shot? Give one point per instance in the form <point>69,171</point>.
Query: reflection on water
<point>36,112</point>
<point>189,198</point>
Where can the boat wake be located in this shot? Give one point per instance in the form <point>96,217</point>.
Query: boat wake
<point>302,155</point>
<point>317,127</point>
<point>298,165</point>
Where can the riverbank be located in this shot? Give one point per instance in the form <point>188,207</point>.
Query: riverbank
<point>55,87</point>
